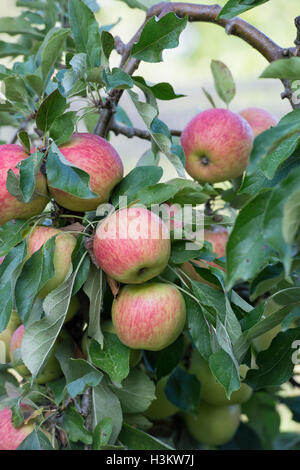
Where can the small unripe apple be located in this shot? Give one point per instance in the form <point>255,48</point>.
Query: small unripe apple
<point>6,335</point>
<point>161,407</point>
<point>10,207</point>
<point>51,370</point>
<point>149,316</point>
<point>73,308</point>
<point>213,392</point>
<point>132,245</point>
<point>217,144</point>
<point>259,119</point>
<point>64,246</point>
<point>135,354</point>
<point>99,159</point>
<point>11,437</point>
<point>214,425</point>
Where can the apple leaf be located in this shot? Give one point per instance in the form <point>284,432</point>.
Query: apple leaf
<point>73,423</point>
<point>11,234</point>
<point>52,49</point>
<point>291,217</point>
<point>51,108</point>
<point>225,370</point>
<point>113,358</point>
<point>102,433</point>
<point>161,91</point>
<point>25,141</point>
<point>135,439</point>
<point>36,441</point>
<point>18,25</point>
<point>235,7</point>
<point>183,390</point>
<point>137,392</point>
<point>288,68</point>
<point>118,79</point>
<point>141,4</point>
<point>29,168</point>
<point>161,363</point>
<point>224,82</point>
<point>94,289</point>
<point>108,44</point>
<point>202,334</point>
<point>62,128</point>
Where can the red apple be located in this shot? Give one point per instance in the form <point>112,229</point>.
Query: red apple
<point>64,246</point>
<point>132,245</point>
<point>217,144</point>
<point>259,119</point>
<point>99,159</point>
<point>150,316</point>
<point>10,207</point>
<point>11,437</point>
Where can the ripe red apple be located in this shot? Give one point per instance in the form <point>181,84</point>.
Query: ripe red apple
<point>161,407</point>
<point>132,245</point>
<point>217,145</point>
<point>51,370</point>
<point>213,392</point>
<point>99,159</point>
<point>10,437</point>
<point>64,246</point>
<point>214,425</point>
<point>259,119</point>
<point>10,207</point>
<point>150,316</point>
<point>6,335</point>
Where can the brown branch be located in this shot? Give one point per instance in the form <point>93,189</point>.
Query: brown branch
<point>297,40</point>
<point>131,132</point>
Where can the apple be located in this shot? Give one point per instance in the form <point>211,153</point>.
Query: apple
<point>73,308</point>
<point>217,144</point>
<point>132,245</point>
<point>135,354</point>
<point>213,392</point>
<point>6,335</point>
<point>259,119</point>
<point>10,207</point>
<point>64,246</point>
<point>11,437</point>
<point>99,159</point>
<point>161,407</point>
<point>214,425</point>
<point>149,316</point>
<point>51,370</point>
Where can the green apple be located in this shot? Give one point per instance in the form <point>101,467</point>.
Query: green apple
<point>6,335</point>
<point>214,425</point>
<point>212,391</point>
<point>161,407</point>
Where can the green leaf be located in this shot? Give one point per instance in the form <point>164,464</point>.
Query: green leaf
<point>66,176</point>
<point>36,272</point>
<point>161,363</point>
<point>94,289</point>
<point>288,68</point>
<point>225,371</point>
<point>113,358</point>
<point>291,217</point>
<point>209,97</point>
<point>275,365</point>
<point>183,390</point>
<point>158,35</point>
<point>62,128</point>
<point>79,375</point>
<point>102,433</point>
<point>161,91</point>
<point>16,92</point>
<point>25,141</point>
<point>135,439</point>
<point>29,168</point>
<point>201,332</point>
<point>51,108</point>
<point>137,392</point>
<point>118,79</point>
<point>35,441</point>
<point>18,25</point>
<point>155,194</point>
<point>52,51</point>
<point>141,4</point>
<point>235,7</point>
<point>85,30</point>
<point>224,82</point>
<point>73,423</point>
<point>11,234</point>
<point>108,44</point>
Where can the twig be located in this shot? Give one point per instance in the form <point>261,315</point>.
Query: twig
<point>134,132</point>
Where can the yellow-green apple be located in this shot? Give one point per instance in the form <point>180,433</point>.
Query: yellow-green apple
<point>73,308</point>
<point>51,370</point>
<point>132,245</point>
<point>11,437</point>
<point>99,159</point>
<point>6,335</point>
<point>135,354</point>
<point>214,425</point>
<point>218,239</point>
<point>161,407</point>
<point>259,119</point>
<point>217,144</point>
<point>10,207</point>
<point>64,246</point>
<point>149,316</point>
<point>212,391</point>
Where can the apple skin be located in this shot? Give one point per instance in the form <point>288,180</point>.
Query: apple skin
<point>132,245</point>
<point>64,246</point>
<point>10,207</point>
<point>135,354</point>
<point>99,159</point>
<point>217,144</point>
<point>218,239</point>
<point>259,119</point>
<point>214,425</point>
<point>51,371</point>
<point>73,309</point>
<point>150,316</point>
<point>161,407</point>
<point>6,335</point>
<point>212,392</point>
<point>10,437</point>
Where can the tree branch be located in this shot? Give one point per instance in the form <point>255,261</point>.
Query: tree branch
<point>134,132</point>
<point>297,40</point>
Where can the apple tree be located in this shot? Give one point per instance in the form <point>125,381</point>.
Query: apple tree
<point>143,342</point>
